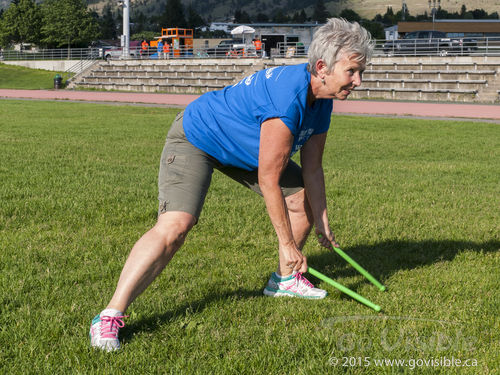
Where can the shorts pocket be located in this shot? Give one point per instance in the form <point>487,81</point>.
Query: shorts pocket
<point>172,170</point>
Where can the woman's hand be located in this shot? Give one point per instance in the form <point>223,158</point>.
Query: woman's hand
<point>292,259</point>
<point>326,237</point>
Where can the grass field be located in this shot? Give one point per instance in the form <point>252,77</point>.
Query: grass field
<point>415,202</point>
<point>18,77</point>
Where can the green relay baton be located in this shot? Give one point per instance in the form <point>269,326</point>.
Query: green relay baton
<point>343,289</point>
<point>360,269</point>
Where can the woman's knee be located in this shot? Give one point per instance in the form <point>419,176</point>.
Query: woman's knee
<point>174,227</point>
<point>298,206</point>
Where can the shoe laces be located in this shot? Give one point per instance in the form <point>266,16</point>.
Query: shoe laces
<point>110,326</point>
<point>302,280</point>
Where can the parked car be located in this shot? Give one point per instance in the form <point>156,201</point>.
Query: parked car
<point>423,42</point>
<point>97,48</point>
<point>465,44</point>
<point>224,47</point>
<point>117,52</point>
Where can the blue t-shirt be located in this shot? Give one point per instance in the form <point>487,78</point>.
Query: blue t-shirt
<point>226,123</point>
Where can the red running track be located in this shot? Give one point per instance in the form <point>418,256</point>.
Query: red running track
<point>447,110</point>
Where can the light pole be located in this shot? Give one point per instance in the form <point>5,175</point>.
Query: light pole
<point>434,9</point>
<point>125,38</point>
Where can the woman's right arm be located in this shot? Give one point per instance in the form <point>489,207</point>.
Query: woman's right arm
<point>274,154</point>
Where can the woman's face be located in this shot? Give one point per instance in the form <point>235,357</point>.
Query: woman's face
<point>345,77</point>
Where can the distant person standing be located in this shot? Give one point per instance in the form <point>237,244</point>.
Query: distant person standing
<point>166,50</point>
<point>159,49</point>
<point>258,46</point>
<point>144,48</point>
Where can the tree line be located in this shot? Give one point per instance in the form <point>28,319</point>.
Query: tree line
<point>54,23</point>
<point>63,23</point>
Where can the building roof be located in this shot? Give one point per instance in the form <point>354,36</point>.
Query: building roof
<point>466,21</point>
<point>464,26</point>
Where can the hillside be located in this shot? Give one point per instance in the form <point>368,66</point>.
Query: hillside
<point>221,10</point>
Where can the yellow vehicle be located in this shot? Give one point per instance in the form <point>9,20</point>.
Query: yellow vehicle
<point>180,40</point>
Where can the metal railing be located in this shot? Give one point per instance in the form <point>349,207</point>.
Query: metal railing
<point>456,46</point>
<point>412,47</point>
<point>289,50</point>
<point>152,53</point>
<point>52,54</point>
<point>78,68</point>
<point>402,47</point>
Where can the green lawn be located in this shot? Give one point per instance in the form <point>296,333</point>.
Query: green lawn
<point>415,202</point>
<point>17,77</point>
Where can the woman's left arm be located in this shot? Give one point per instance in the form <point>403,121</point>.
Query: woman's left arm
<point>311,159</point>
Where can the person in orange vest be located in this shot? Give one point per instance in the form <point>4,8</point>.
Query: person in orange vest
<point>144,48</point>
<point>258,46</point>
<point>166,50</point>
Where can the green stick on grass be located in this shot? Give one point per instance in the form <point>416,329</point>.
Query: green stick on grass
<point>343,289</point>
<point>360,269</point>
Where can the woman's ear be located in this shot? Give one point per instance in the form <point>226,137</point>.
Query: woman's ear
<point>321,68</point>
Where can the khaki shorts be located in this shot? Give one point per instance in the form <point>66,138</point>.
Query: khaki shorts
<point>186,172</point>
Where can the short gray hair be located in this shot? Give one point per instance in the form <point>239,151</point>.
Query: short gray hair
<point>336,38</point>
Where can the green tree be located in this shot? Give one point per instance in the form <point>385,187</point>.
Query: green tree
<point>389,18</point>
<point>144,35</point>
<point>468,16</point>
<point>320,14</point>
<point>422,17</point>
<point>194,20</point>
<point>261,17</point>
<point>240,16</point>
<point>376,29</point>
<point>479,14</point>
<point>68,23</point>
<point>173,15</point>
<point>406,17</point>
<point>280,16</point>
<point>4,41</point>
<point>21,23</point>
<point>107,23</point>
<point>463,10</point>
<point>404,14</point>
<point>300,17</point>
<point>350,15</point>
<point>442,13</point>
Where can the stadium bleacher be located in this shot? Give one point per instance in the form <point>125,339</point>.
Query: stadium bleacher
<point>470,79</point>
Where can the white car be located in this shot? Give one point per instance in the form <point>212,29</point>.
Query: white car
<point>117,52</point>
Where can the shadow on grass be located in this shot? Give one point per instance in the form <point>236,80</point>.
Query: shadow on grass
<point>152,323</point>
<point>386,258</point>
<point>381,260</point>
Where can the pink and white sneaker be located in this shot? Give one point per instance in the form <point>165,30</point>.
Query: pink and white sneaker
<point>104,331</point>
<point>294,285</point>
